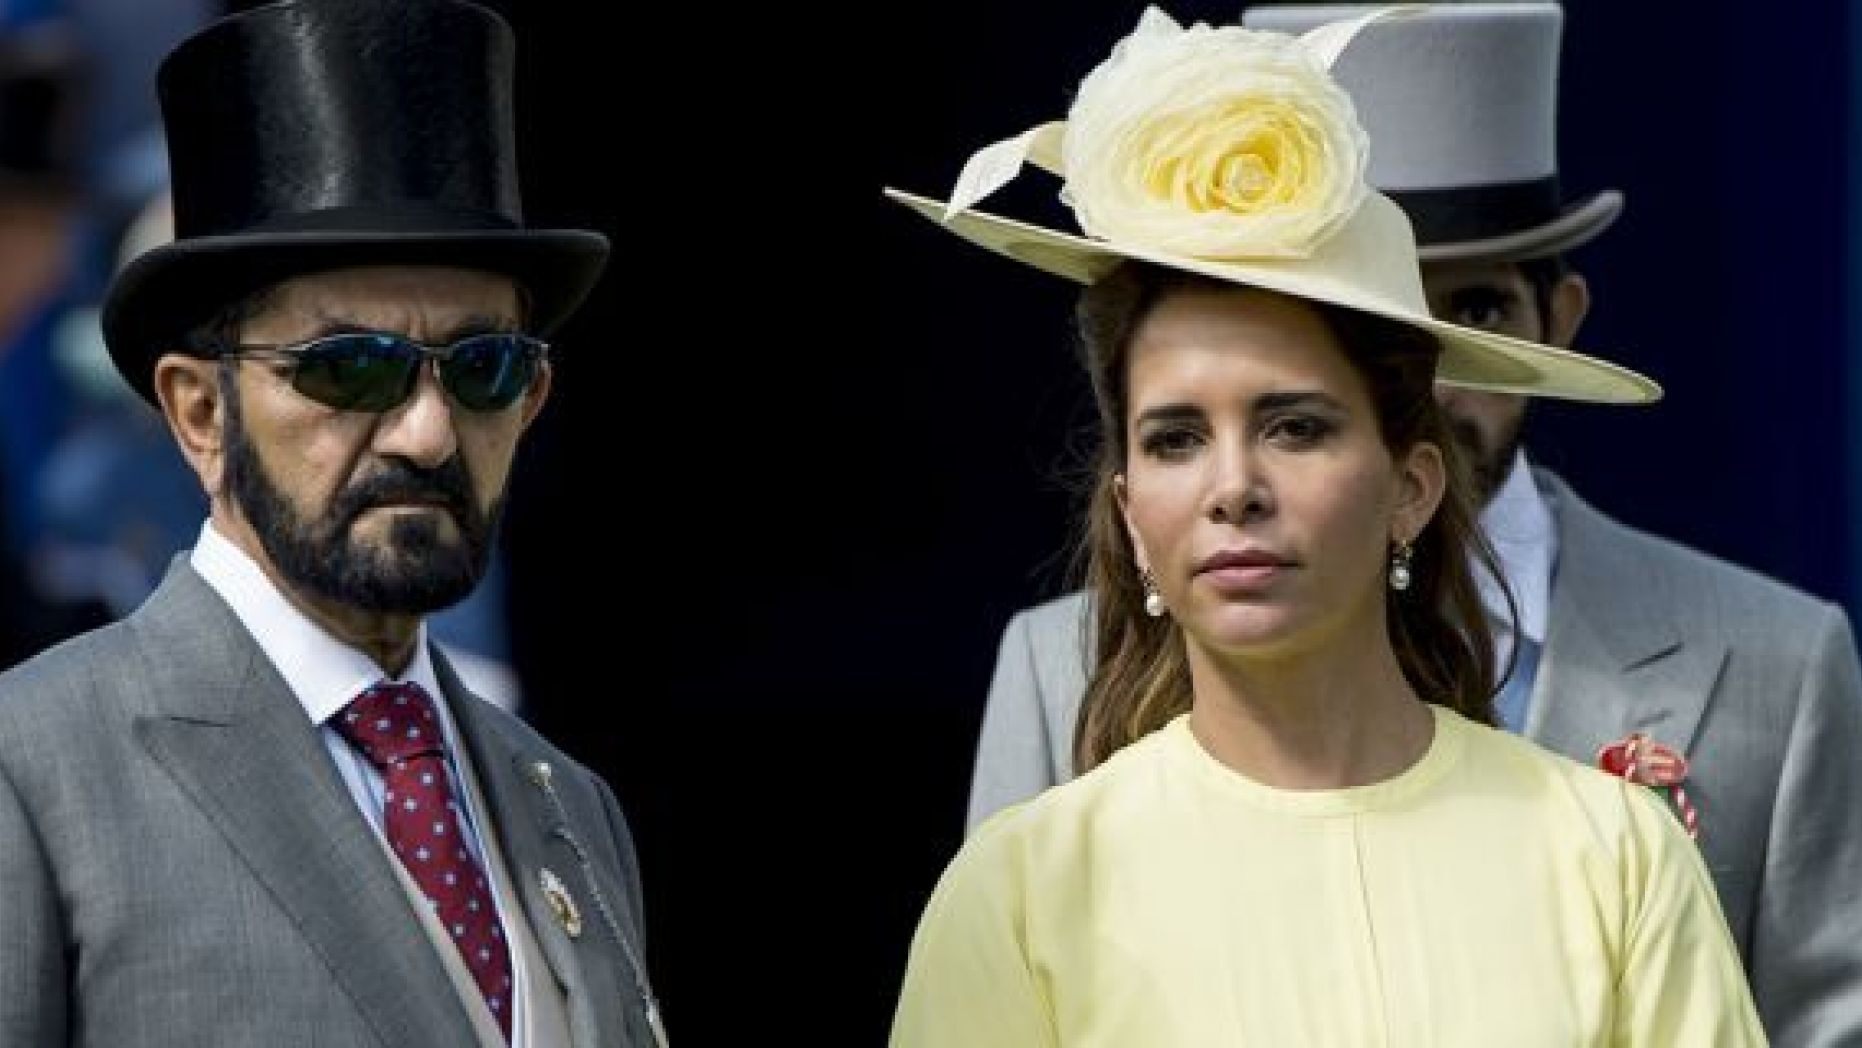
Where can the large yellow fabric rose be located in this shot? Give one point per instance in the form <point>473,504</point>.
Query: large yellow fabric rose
<point>1214,143</point>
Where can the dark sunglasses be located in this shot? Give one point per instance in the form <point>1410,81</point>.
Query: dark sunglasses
<point>370,371</point>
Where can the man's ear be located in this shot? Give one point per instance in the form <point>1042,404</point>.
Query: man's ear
<point>538,393</point>
<point>187,388</point>
<point>1570,301</point>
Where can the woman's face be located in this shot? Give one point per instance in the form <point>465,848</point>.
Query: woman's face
<point>1258,490</point>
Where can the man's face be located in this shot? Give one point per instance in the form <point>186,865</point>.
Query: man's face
<point>391,511</point>
<point>1492,296</point>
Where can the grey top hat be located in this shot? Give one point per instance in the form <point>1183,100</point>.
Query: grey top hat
<point>1461,104</point>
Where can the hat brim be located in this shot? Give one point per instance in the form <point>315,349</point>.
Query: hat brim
<point>1575,226</point>
<point>1471,358</point>
<point>169,291</point>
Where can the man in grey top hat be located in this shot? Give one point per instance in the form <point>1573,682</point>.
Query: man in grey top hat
<point>263,809</point>
<point>1743,696</point>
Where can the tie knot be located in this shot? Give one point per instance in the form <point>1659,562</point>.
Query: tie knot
<point>391,723</point>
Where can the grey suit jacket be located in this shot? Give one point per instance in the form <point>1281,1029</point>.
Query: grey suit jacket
<point>1756,683</point>
<point>180,864</point>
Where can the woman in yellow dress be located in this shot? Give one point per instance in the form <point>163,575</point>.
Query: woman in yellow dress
<point>1298,827</point>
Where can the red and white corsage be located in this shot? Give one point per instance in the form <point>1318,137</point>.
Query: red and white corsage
<point>1639,758</point>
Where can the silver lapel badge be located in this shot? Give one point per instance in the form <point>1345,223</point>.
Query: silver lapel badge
<point>561,904</point>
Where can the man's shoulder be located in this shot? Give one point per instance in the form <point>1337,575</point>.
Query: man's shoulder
<point>1055,639</point>
<point>84,663</point>
<point>69,704</point>
<point>1070,612</point>
<point>1692,580</point>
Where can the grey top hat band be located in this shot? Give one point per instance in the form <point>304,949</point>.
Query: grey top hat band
<point>1472,212</point>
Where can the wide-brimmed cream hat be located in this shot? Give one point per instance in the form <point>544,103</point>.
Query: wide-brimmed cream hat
<point>1232,153</point>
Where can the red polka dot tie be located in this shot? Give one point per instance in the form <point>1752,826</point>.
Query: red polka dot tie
<point>396,729</point>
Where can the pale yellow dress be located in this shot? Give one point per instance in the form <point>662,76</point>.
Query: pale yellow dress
<point>1492,894</point>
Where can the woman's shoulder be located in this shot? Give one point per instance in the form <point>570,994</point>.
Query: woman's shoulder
<point>1607,808</point>
<point>1125,791</point>
<point>1501,753</point>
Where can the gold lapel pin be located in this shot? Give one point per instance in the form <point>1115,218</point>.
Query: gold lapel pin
<point>557,895</point>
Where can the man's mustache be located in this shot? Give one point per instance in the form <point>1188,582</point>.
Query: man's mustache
<point>445,485</point>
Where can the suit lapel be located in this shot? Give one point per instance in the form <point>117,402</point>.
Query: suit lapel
<point>1616,660</point>
<point>227,728</point>
<point>531,827</point>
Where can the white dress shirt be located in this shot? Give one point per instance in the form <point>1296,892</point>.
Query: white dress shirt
<point>326,675</point>
<point>1519,524</point>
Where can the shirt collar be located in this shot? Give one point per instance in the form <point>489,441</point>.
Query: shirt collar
<point>323,672</point>
<point>1519,524</point>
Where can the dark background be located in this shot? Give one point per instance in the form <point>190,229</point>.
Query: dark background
<point>808,454</point>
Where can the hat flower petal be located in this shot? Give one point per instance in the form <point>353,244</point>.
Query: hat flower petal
<point>1214,143</point>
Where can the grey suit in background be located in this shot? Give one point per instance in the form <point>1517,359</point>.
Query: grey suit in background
<point>183,866</point>
<point>1756,683</point>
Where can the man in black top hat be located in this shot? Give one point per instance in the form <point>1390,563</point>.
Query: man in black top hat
<point>263,809</point>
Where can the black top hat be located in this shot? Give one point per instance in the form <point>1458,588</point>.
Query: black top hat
<point>317,134</point>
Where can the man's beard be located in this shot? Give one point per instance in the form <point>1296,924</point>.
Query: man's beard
<point>415,572</point>
<point>1487,467</point>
